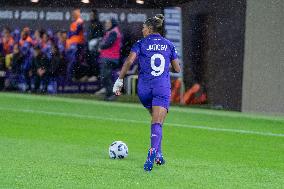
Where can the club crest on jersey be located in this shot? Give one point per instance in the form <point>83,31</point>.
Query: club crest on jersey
<point>157,47</point>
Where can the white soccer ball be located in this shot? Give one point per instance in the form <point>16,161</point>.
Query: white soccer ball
<point>118,150</point>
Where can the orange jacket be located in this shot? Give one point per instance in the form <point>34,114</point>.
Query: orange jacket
<point>8,45</point>
<point>28,39</point>
<point>76,33</point>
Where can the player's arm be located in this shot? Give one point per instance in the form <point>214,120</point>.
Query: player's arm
<point>127,64</point>
<point>175,65</point>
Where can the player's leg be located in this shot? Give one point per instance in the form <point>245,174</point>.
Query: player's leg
<point>157,103</point>
<point>161,103</point>
<point>158,116</point>
<point>145,96</point>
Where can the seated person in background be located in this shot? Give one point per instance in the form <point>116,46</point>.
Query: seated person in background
<point>55,63</point>
<point>26,44</point>
<point>16,34</point>
<point>25,77</point>
<point>17,60</point>
<point>2,73</point>
<point>61,42</point>
<point>46,45</point>
<point>39,71</point>
<point>55,66</point>
<point>1,46</point>
<point>25,37</point>
<point>37,38</point>
<point>7,41</point>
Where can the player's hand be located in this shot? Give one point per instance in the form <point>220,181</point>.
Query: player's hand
<point>117,87</point>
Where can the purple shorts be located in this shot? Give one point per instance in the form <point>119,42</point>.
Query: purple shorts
<point>154,95</point>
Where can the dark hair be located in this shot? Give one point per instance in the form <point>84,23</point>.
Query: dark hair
<point>7,29</point>
<point>55,48</point>
<point>16,45</point>
<point>37,47</point>
<point>155,23</point>
<point>94,11</point>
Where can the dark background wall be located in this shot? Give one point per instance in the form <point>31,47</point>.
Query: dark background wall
<point>213,42</point>
<point>263,81</point>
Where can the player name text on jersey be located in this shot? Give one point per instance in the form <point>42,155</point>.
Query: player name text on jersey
<point>157,47</point>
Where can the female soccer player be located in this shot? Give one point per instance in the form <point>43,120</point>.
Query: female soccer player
<point>155,54</point>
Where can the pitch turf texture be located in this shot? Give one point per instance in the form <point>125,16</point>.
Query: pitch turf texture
<point>53,142</point>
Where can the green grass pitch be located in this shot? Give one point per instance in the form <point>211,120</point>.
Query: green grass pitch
<point>55,142</point>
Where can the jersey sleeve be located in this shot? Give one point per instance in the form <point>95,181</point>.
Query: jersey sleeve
<point>136,48</point>
<point>174,53</point>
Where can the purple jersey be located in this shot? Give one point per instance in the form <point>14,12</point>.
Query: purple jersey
<point>155,54</point>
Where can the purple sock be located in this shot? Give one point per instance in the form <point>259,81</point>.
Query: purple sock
<point>156,135</point>
<point>159,151</point>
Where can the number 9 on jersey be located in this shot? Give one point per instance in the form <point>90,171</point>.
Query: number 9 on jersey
<point>157,70</point>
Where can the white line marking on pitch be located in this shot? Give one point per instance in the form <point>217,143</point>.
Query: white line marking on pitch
<point>145,122</point>
<point>119,104</point>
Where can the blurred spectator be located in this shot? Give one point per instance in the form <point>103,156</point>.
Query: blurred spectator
<point>75,44</point>
<point>17,60</point>
<point>39,70</point>
<point>54,69</point>
<point>26,44</point>
<point>25,77</point>
<point>95,29</point>
<point>16,35</point>
<point>7,42</point>
<point>95,33</point>
<point>109,56</point>
<point>55,63</point>
<point>64,55</point>
<point>14,69</point>
<point>49,32</point>
<point>46,45</point>
<point>2,69</point>
<point>25,37</point>
<point>37,38</point>
<point>61,41</point>
<point>1,47</point>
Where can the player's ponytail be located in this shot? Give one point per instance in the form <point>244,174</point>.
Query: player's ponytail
<point>160,18</point>
<point>155,23</point>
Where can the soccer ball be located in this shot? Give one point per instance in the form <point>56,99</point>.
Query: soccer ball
<point>118,150</point>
